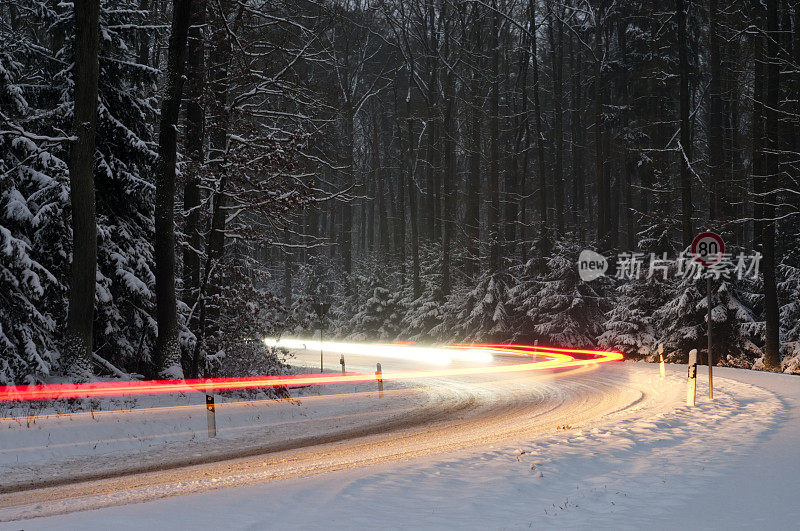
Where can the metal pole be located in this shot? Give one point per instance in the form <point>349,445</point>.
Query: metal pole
<point>710,354</point>
<point>379,376</point>
<point>320,345</point>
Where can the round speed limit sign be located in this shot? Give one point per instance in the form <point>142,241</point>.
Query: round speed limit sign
<point>708,248</point>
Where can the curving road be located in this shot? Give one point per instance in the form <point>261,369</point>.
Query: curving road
<point>414,418</point>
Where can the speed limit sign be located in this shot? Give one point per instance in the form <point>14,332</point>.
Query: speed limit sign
<point>708,248</point>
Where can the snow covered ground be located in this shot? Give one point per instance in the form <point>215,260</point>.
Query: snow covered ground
<point>653,463</point>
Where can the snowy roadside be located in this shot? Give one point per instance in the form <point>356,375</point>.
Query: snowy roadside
<point>726,464</point>
<point>118,435</point>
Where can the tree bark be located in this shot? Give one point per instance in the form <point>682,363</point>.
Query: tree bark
<point>347,208</point>
<point>537,110</point>
<point>772,359</point>
<point>448,175</point>
<point>287,269</point>
<point>686,147</point>
<point>599,160</point>
<point>556,49</point>
<point>167,356</point>
<point>578,215</point>
<point>80,316</point>
<point>494,146</point>
<point>472,212</point>
<point>195,137</point>
<point>715,132</point>
<point>759,163</point>
<point>412,193</point>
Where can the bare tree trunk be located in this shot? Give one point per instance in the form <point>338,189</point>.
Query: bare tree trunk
<point>412,193</point>
<point>448,175</point>
<point>144,39</point>
<point>80,317</point>
<point>716,132</point>
<point>556,48</point>
<point>686,140</point>
<point>599,158</point>
<point>195,136</point>
<point>626,101</point>
<point>472,212</point>
<point>537,109</point>
<point>759,162</point>
<point>347,208</point>
<point>494,146</point>
<point>772,360</point>
<point>167,356</point>
<point>218,124</point>
<point>287,269</point>
<point>428,204</point>
<point>383,226</point>
<point>578,215</point>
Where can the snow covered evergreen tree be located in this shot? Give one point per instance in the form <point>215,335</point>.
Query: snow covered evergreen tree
<point>681,322</point>
<point>379,314</point>
<point>36,105</point>
<point>630,326</point>
<point>558,307</point>
<point>481,313</point>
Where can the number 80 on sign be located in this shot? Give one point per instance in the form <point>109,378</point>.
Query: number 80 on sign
<point>708,248</point>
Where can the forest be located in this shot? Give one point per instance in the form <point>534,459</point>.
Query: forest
<point>181,179</point>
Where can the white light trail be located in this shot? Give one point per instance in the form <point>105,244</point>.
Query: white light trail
<point>432,355</point>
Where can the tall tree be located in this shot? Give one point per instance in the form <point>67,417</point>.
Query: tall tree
<point>577,141</point>
<point>556,39</point>
<point>601,185</point>
<point>686,139</point>
<point>494,143</point>
<point>537,111</point>
<point>167,354</point>
<point>772,148</point>
<point>195,140</point>
<point>81,167</point>
<point>715,122</point>
<point>472,212</point>
<point>448,155</point>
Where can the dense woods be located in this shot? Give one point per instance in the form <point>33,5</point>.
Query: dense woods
<point>433,168</point>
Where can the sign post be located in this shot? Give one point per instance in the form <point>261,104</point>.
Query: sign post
<point>320,308</point>
<point>708,249</point>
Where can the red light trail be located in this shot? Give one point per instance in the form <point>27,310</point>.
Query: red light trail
<point>555,358</point>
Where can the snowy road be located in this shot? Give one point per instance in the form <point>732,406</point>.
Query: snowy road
<point>475,451</point>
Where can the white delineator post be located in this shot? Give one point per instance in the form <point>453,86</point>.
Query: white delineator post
<point>211,415</point>
<point>379,377</point>
<point>661,364</point>
<point>691,388</point>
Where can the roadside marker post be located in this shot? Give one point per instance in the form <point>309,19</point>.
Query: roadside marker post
<point>341,362</point>
<point>691,389</point>
<point>379,377</point>
<point>321,308</point>
<point>211,415</point>
<point>662,369</point>
<point>708,249</point>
